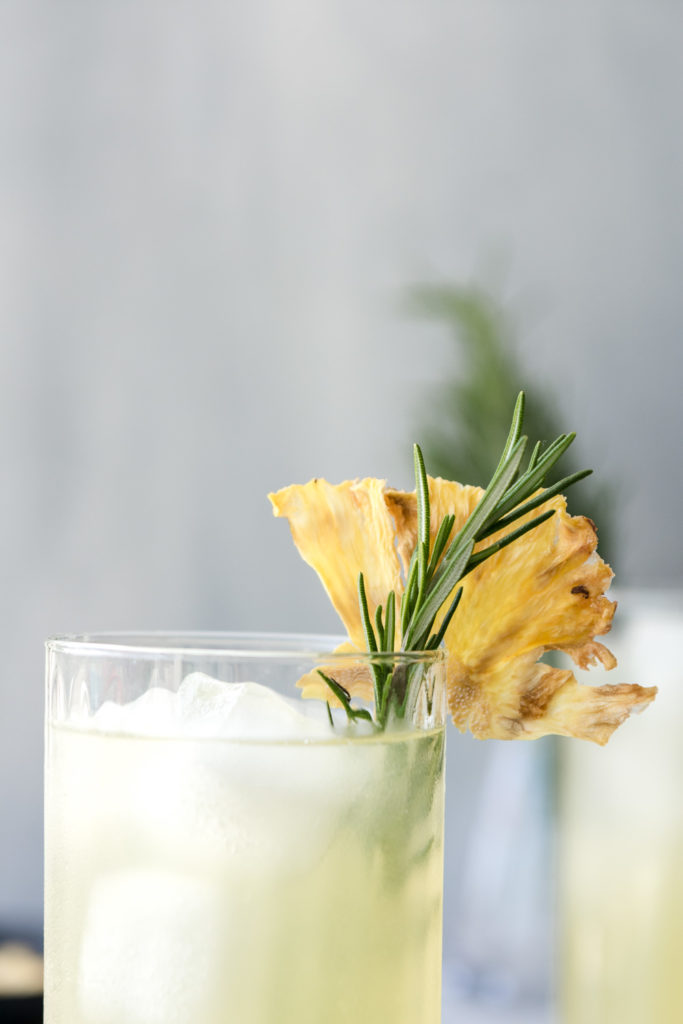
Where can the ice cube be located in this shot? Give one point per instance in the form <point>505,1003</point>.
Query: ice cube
<point>259,796</point>
<point>204,706</point>
<point>151,948</point>
<point>245,711</point>
<point>155,713</point>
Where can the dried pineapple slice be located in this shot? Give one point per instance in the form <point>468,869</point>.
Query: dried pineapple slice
<point>544,592</point>
<point>342,530</point>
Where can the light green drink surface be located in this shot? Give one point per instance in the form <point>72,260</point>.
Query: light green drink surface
<point>228,882</point>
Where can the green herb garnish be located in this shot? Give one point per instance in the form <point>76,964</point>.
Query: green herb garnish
<point>433,575</point>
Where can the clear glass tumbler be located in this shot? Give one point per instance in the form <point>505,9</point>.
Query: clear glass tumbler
<point>621,830</point>
<point>220,850</point>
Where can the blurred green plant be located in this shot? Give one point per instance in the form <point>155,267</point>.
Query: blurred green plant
<point>469,410</point>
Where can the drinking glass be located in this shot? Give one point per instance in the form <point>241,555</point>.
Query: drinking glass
<point>219,849</point>
<point>621,822</point>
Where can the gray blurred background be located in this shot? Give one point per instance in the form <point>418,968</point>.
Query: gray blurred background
<point>208,215</point>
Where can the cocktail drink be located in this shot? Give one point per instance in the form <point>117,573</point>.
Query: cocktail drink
<point>621,865</point>
<point>220,850</point>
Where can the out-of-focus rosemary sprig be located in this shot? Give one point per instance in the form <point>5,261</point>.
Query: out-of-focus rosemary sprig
<point>465,415</point>
<point>435,571</point>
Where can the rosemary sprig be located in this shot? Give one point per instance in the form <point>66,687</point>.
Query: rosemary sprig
<point>509,496</point>
<point>344,698</point>
<point>433,576</point>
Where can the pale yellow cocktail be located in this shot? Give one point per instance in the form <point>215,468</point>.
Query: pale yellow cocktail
<point>199,877</point>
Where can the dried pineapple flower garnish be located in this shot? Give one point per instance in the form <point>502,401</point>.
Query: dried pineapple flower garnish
<point>497,599</point>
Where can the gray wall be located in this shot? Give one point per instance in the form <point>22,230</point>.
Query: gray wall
<point>207,212</point>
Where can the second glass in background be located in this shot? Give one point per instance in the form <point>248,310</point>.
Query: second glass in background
<point>621,838</point>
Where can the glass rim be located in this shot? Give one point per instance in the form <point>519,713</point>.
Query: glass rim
<point>227,644</point>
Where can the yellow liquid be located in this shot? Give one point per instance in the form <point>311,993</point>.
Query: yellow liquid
<point>213,881</point>
<point>621,867</point>
<point>623,934</point>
